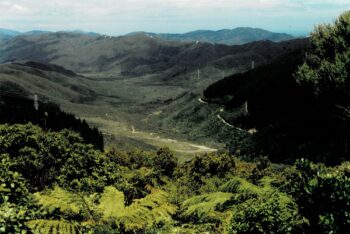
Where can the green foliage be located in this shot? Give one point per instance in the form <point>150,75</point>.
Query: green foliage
<point>212,164</point>
<point>66,202</point>
<point>244,187</point>
<point>323,195</point>
<point>165,161</point>
<point>327,66</point>
<point>129,192</point>
<point>111,202</point>
<point>12,185</point>
<point>206,206</point>
<point>274,214</point>
<point>13,218</point>
<point>14,199</point>
<point>53,226</point>
<point>142,214</point>
<point>46,157</point>
<point>262,209</point>
<point>243,207</point>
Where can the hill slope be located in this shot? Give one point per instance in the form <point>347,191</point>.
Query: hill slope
<point>137,54</point>
<point>284,119</point>
<point>236,36</point>
<point>19,83</point>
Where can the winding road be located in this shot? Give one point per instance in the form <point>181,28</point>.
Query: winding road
<point>222,119</point>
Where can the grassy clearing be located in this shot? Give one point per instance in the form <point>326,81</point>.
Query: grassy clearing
<point>183,149</point>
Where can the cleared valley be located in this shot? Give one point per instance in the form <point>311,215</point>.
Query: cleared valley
<point>140,91</point>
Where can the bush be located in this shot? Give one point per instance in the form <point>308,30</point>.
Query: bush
<point>323,195</point>
<point>212,164</point>
<point>165,162</point>
<point>43,158</point>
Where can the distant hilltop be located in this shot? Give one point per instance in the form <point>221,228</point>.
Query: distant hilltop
<point>236,36</point>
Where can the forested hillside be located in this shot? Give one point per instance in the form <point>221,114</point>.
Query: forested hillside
<point>293,111</point>
<point>16,109</point>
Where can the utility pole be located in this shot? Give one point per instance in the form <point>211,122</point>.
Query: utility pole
<point>198,74</point>
<point>253,65</point>
<point>36,102</point>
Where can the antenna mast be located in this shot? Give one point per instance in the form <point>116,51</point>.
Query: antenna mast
<point>36,102</point>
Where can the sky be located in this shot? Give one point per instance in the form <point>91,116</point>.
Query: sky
<point>118,17</point>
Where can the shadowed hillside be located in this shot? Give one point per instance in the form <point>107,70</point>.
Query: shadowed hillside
<point>286,121</point>
<point>16,107</point>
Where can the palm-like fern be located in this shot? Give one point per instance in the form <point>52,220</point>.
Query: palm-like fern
<point>53,227</point>
<point>219,205</point>
<point>142,213</point>
<point>206,205</point>
<point>61,199</point>
<point>242,186</point>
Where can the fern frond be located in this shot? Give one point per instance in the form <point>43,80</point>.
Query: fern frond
<point>111,203</point>
<point>164,211</point>
<point>147,211</point>
<point>242,186</point>
<point>151,188</point>
<point>266,184</point>
<point>205,205</point>
<point>44,226</point>
<point>58,198</point>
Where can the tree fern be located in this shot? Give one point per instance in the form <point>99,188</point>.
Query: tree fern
<point>111,203</point>
<point>240,185</point>
<point>43,226</point>
<point>147,211</point>
<point>205,205</point>
<point>238,197</point>
<point>141,214</point>
<point>58,198</point>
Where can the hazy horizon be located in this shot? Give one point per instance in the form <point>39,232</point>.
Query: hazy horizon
<point>296,17</point>
<point>293,33</point>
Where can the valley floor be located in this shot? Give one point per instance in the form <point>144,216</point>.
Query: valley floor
<point>185,150</point>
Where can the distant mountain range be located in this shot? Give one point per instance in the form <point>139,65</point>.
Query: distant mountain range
<point>7,34</point>
<point>11,33</point>
<point>236,36</point>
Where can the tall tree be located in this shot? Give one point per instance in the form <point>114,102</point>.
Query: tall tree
<point>326,70</point>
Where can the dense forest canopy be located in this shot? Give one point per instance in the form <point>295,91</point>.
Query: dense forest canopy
<point>51,181</point>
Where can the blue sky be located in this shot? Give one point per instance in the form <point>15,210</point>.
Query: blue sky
<point>117,17</point>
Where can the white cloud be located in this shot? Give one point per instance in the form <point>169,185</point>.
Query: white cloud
<point>121,16</point>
